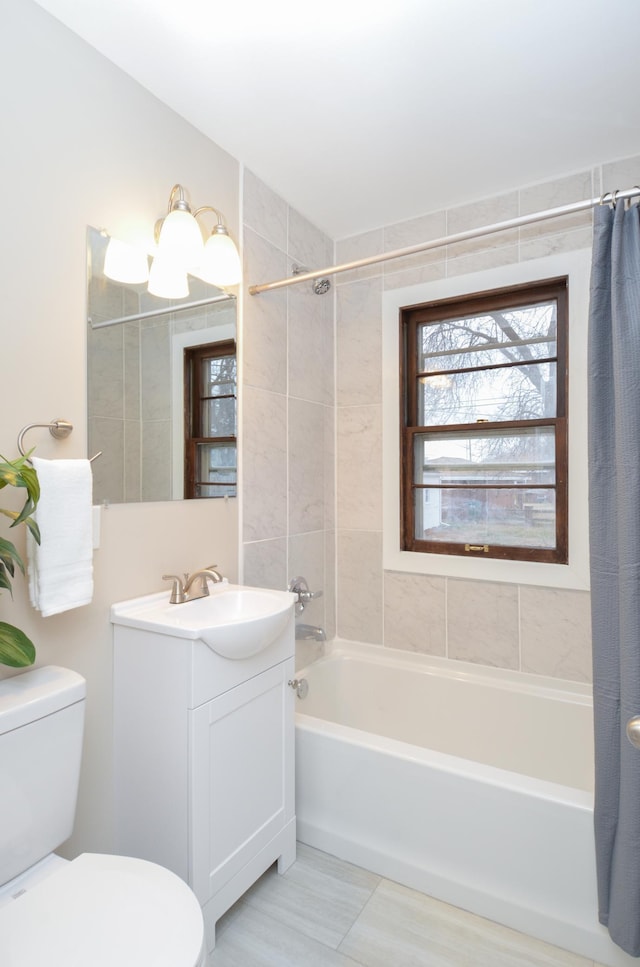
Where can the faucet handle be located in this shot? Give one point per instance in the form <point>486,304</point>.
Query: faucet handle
<point>300,587</point>
<point>177,589</point>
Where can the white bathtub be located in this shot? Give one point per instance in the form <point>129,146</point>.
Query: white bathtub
<point>470,784</point>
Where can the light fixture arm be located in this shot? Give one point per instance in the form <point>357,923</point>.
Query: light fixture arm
<point>220,227</point>
<point>181,203</point>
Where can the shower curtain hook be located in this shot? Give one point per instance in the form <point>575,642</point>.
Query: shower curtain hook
<point>609,198</point>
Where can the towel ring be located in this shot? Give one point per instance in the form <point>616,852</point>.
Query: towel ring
<point>60,429</point>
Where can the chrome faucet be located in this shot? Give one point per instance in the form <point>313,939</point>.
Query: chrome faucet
<point>310,633</point>
<point>181,591</point>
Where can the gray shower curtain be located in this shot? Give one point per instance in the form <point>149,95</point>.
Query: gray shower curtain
<point>614,511</point>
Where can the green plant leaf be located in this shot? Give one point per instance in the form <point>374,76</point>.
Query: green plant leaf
<point>9,556</point>
<point>5,582</point>
<point>33,527</point>
<point>19,473</point>
<point>15,648</point>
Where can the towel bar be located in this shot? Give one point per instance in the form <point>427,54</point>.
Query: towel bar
<point>60,429</point>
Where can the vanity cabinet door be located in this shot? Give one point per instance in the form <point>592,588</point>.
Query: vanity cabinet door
<point>242,782</point>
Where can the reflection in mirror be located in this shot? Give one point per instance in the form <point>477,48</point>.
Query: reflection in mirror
<point>137,402</point>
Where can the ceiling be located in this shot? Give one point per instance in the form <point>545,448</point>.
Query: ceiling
<point>362,112</point>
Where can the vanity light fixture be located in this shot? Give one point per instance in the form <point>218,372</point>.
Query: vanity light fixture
<point>167,279</point>
<point>178,235</point>
<point>125,263</point>
<point>181,249</point>
<point>220,264</point>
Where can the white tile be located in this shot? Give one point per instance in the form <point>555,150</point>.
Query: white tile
<point>554,194</point>
<point>310,349</point>
<point>320,896</point>
<point>403,928</point>
<point>306,466</point>
<point>360,247</point>
<point>414,613</point>
<point>359,460</point>
<point>414,231</point>
<point>265,564</point>
<point>490,258</point>
<point>359,589</point>
<point>306,558</point>
<point>264,211</point>
<point>538,248</point>
<point>253,939</point>
<point>482,622</point>
<point>624,173</point>
<point>307,245</point>
<point>488,211</point>
<point>264,434</point>
<point>264,333</point>
<point>359,342</point>
<point>556,633</point>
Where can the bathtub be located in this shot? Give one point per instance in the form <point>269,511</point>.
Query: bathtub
<point>473,785</point>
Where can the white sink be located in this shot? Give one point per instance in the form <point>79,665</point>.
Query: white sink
<point>233,620</point>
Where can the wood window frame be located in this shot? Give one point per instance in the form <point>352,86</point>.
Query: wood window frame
<point>193,397</point>
<point>510,297</point>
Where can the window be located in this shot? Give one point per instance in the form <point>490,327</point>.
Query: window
<point>484,435</point>
<point>210,420</point>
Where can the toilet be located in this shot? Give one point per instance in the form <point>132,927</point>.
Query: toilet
<point>97,910</point>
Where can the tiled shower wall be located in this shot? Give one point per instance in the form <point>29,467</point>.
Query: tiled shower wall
<point>288,412</point>
<point>289,405</point>
<point>533,629</point>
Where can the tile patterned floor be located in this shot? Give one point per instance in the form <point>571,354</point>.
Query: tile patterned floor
<point>326,913</point>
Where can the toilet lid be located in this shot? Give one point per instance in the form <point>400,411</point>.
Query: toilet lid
<point>104,911</point>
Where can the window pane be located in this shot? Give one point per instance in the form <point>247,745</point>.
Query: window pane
<point>525,457</point>
<point>219,376</point>
<point>513,393</point>
<point>488,339</point>
<point>219,417</point>
<point>216,465</point>
<point>510,517</point>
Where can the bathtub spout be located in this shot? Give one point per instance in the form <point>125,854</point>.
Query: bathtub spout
<point>310,633</point>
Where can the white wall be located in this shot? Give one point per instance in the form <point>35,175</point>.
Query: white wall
<point>83,144</point>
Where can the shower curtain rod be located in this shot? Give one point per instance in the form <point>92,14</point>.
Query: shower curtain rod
<point>609,198</point>
<point>150,313</point>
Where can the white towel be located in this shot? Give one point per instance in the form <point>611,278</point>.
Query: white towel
<point>61,566</point>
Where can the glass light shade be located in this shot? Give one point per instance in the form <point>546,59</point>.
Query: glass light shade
<point>125,263</point>
<point>220,264</point>
<point>167,280</point>
<point>181,239</point>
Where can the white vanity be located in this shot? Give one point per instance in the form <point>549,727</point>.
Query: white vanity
<point>204,738</point>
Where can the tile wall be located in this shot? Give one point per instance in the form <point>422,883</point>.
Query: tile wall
<point>292,453</point>
<point>539,630</point>
<point>288,410</point>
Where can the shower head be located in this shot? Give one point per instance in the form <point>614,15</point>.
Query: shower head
<point>320,286</point>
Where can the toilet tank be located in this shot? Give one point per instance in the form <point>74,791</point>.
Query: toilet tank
<point>41,725</point>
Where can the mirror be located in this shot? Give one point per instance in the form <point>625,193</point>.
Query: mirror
<point>136,344</point>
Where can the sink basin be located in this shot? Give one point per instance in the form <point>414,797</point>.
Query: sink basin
<point>234,621</point>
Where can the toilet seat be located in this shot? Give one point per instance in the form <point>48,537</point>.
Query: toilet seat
<point>104,911</point>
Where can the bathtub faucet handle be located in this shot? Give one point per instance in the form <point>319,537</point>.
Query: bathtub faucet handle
<point>300,587</point>
<point>300,685</point>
